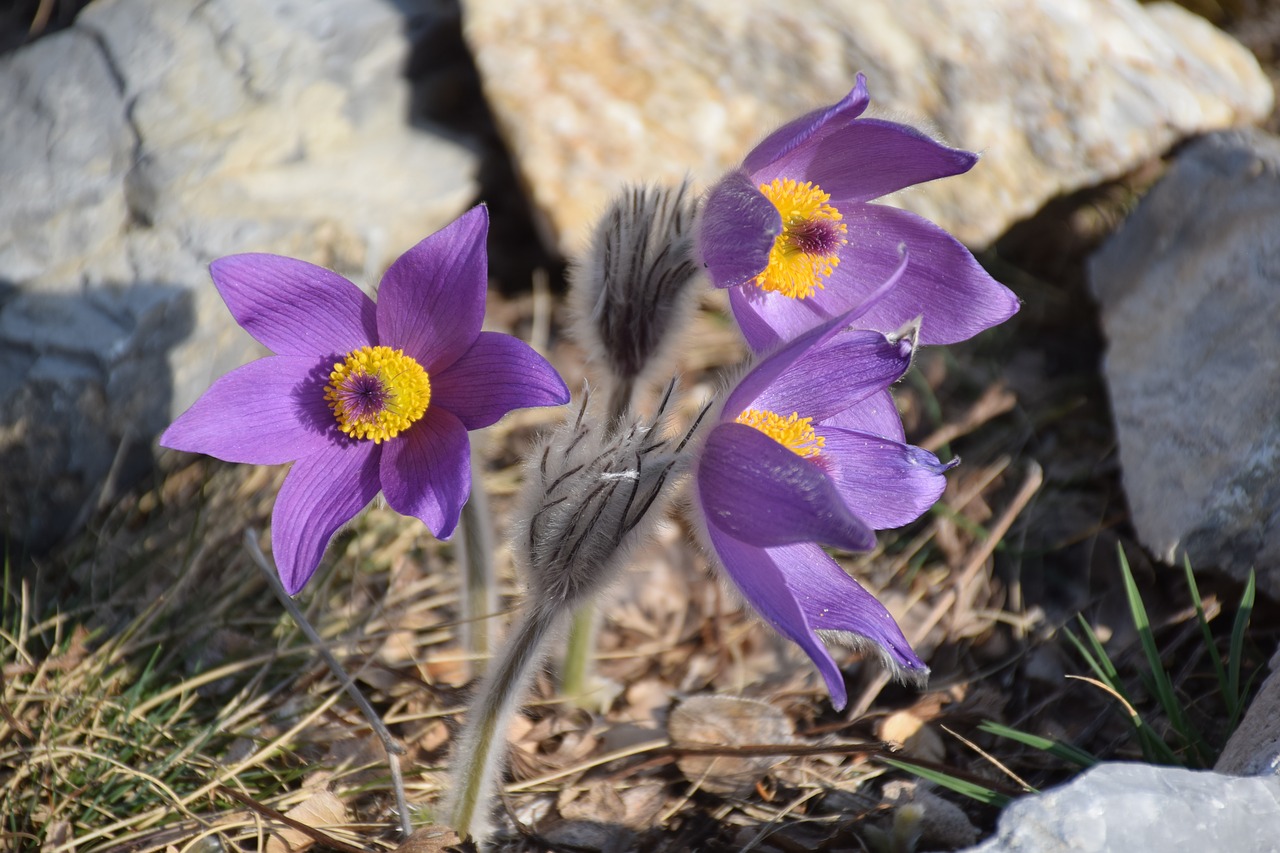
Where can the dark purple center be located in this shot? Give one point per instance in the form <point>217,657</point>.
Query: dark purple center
<point>363,396</point>
<point>815,236</point>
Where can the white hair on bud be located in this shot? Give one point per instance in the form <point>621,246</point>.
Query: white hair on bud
<point>630,292</point>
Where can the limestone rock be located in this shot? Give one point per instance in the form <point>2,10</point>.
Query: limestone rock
<point>1189,289</point>
<point>1141,808</point>
<point>138,145</point>
<point>1057,95</point>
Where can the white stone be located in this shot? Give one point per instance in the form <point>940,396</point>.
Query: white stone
<point>1057,95</point>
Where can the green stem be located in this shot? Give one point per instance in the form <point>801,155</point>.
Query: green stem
<point>481,746</point>
<point>479,586</point>
<point>576,669</point>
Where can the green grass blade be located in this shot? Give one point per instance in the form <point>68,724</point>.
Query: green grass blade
<point>1056,748</point>
<point>1235,652</point>
<point>964,787</point>
<point>1163,685</point>
<point>1210,646</point>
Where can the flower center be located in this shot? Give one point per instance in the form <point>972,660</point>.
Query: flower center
<point>377,393</point>
<point>812,234</point>
<point>794,432</point>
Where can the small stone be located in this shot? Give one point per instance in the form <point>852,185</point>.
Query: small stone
<point>727,721</point>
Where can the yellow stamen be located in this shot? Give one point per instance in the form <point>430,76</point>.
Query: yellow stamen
<point>806,252</point>
<point>794,432</point>
<point>377,393</point>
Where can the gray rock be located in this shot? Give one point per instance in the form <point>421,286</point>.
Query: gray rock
<point>1254,747</point>
<point>1140,808</point>
<point>1189,289</point>
<point>1056,94</point>
<point>148,139</point>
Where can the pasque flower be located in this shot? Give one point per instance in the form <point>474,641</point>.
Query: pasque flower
<point>364,397</point>
<point>809,449</point>
<point>794,237</point>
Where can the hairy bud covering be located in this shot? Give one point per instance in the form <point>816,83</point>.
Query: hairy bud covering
<point>588,493</point>
<point>630,290</point>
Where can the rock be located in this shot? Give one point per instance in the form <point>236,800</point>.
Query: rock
<point>1254,747</point>
<point>1057,95</point>
<point>1189,289</point>
<point>138,145</point>
<point>1140,808</point>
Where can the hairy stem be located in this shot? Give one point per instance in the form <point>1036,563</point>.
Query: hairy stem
<point>479,586</point>
<point>392,748</point>
<point>482,744</point>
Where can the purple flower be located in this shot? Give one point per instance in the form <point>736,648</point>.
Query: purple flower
<point>364,397</point>
<point>809,449</point>
<point>794,236</point>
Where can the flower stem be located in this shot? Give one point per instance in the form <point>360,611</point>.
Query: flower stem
<point>479,586</point>
<point>392,748</point>
<point>576,669</point>
<point>481,746</point>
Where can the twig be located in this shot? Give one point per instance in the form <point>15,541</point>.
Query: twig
<point>310,831</point>
<point>392,748</point>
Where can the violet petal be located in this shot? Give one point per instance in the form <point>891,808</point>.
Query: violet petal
<point>431,300</point>
<point>295,308</point>
<point>797,132</point>
<point>736,231</point>
<point>267,412</point>
<point>757,573</point>
<point>869,158</point>
<point>877,415</point>
<point>884,483</point>
<point>836,375</point>
<point>321,493</point>
<point>753,488</point>
<point>497,374</point>
<point>426,471</point>
<point>943,283</point>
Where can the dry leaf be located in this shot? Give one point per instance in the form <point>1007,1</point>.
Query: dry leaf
<point>727,721</point>
<point>917,738</point>
<point>430,839</point>
<point>321,811</point>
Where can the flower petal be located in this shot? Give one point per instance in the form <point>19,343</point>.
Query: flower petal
<point>809,128</point>
<point>431,300</point>
<point>869,158</point>
<point>499,373</point>
<point>884,483</point>
<point>769,368</point>
<point>768,318</point>
<point>267,412</point>
<point>295,308</point>
<point>426,471</point>
<point>837,375</point>
<point>942,283</point>
<point>761,493</point>
<point>877,415</point>
<point>321,493</point>
<point>763,583</point>
<point>736,230</point>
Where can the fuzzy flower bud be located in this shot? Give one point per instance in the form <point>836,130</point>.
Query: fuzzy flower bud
<point>630,290</point>
<point>587,497</point>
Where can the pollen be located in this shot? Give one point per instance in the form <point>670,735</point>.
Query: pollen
<point>377,392</point>
<point>807,250</point>
<point>793,432</point>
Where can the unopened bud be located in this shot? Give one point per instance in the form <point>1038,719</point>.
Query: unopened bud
<point>630,291</point>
